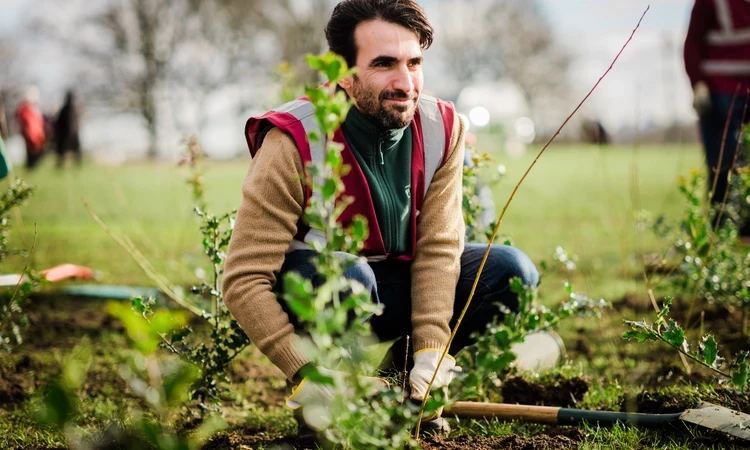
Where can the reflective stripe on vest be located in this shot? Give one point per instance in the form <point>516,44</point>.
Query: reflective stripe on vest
<point>728,34</point>
<point>433,133</point>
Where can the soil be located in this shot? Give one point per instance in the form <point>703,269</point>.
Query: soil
<point>15,380</point>
<point>557,438</point>
<point>60,322</point>
<point>563,392</point>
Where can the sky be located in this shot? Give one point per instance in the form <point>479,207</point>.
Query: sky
<point>647,86</point>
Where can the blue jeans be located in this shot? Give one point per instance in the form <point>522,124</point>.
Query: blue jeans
<point>389,283</point>
<point>712,126</point>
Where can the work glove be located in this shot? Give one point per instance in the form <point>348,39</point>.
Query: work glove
<point>425,364</point>
<point>314,400</point>
<point>701,98</point>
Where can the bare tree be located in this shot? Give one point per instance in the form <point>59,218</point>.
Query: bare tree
<point>492,39</point>
<point>134,53</point>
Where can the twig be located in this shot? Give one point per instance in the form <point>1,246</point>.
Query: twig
<point>724,141</point>
<point>502,215</point>
<point>406,360</point>
<point>144,264</point>
<point>25,267</point>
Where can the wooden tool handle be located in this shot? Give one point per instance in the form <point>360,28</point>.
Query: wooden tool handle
<point>556,416</point>
<point>478,410</point>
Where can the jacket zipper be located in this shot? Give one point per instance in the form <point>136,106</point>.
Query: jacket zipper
<point>390,226</point>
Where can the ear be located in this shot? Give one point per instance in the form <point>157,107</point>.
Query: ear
<point>346,83</point>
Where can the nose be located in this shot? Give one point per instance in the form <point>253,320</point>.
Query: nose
<point>402,79</point>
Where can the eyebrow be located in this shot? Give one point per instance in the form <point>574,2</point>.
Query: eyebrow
<point>392,59</point>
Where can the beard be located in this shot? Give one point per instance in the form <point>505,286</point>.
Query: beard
<point>388,116</point>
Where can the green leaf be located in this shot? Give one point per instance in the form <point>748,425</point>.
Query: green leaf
<point>179,335</point>
<point>709,350</point>
<point>59,406</point>
<point>177,383</point>
<point>641,335</point>
<point>740,370</point>
<point>665,307</point>
<point>674,334</point>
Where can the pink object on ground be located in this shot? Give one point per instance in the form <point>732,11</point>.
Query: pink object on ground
<point>64,271</point>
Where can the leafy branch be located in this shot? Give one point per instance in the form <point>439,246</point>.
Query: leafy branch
<point>665,329</point>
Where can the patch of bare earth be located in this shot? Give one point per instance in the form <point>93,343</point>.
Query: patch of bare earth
<point>563,392</point>
<point>556,439</point>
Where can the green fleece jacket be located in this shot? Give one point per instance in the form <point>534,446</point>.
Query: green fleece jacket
<point>385,159</point>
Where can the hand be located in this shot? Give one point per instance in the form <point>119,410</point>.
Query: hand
<point>315,399</point>
<point>701,98</point>
<point>425,365</point>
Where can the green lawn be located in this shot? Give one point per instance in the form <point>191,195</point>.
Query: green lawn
<point>578,197</point>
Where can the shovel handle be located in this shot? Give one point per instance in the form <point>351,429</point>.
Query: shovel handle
<point>503,411</point>
<point>556,416</point>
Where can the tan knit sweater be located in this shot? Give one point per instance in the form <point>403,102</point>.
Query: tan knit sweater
<point>272,203</point>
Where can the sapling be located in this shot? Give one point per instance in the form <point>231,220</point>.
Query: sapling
<point>485,361</point>
<point>226,339</point>
<point>667,330</point>
<point>14,299</point>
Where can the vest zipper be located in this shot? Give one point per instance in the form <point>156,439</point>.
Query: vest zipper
<point>380,150</point>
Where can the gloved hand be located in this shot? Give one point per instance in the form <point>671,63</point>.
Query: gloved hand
<point>425,364</point>
<point>314,400</point>
<point>701,98</point>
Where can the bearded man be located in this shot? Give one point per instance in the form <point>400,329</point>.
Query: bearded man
<point>406,152</point>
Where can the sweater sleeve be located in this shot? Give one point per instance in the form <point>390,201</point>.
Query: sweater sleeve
<point>695,40</point>
<point>272,203</point>
<point>440,242</point>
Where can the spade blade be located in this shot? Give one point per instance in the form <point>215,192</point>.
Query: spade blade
<point>719,418</point>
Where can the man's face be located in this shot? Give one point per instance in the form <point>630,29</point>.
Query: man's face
<point>389,73</point>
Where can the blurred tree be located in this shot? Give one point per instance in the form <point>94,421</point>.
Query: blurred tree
<point>139,55</point>
<point>297,28</point>
<point>484,40</point>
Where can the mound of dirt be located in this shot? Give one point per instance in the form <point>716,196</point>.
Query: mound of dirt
<point>564,392</point>
<point>555,440</point>
<point>654,403</point>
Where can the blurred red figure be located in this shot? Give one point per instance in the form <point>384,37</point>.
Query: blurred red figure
<point>717,61</point>
<point>31,123</point>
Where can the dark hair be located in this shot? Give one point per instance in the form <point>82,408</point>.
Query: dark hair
<point>350,13</point>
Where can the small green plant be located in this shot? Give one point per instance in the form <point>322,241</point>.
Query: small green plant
<point>713,267</point>
<point>490,357</point>
<point>334,314</point>
<point>226,339</point>
<point>13,300</point>
<point>665,329</point>
<point>477,182</point>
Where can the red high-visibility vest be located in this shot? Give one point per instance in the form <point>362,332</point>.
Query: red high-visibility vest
<point>432,127</point>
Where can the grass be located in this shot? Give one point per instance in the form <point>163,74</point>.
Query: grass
<point>585,199</point>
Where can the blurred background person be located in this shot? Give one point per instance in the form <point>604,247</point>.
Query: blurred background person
<point>31,124</point>
<point>717,60</point>
<point>66,127</point>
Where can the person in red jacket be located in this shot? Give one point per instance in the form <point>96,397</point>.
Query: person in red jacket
<point>31,123</point>
<point>717,61</point>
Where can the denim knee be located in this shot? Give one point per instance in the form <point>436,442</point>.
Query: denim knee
<point>517,264</point>
<point>358,270</point>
